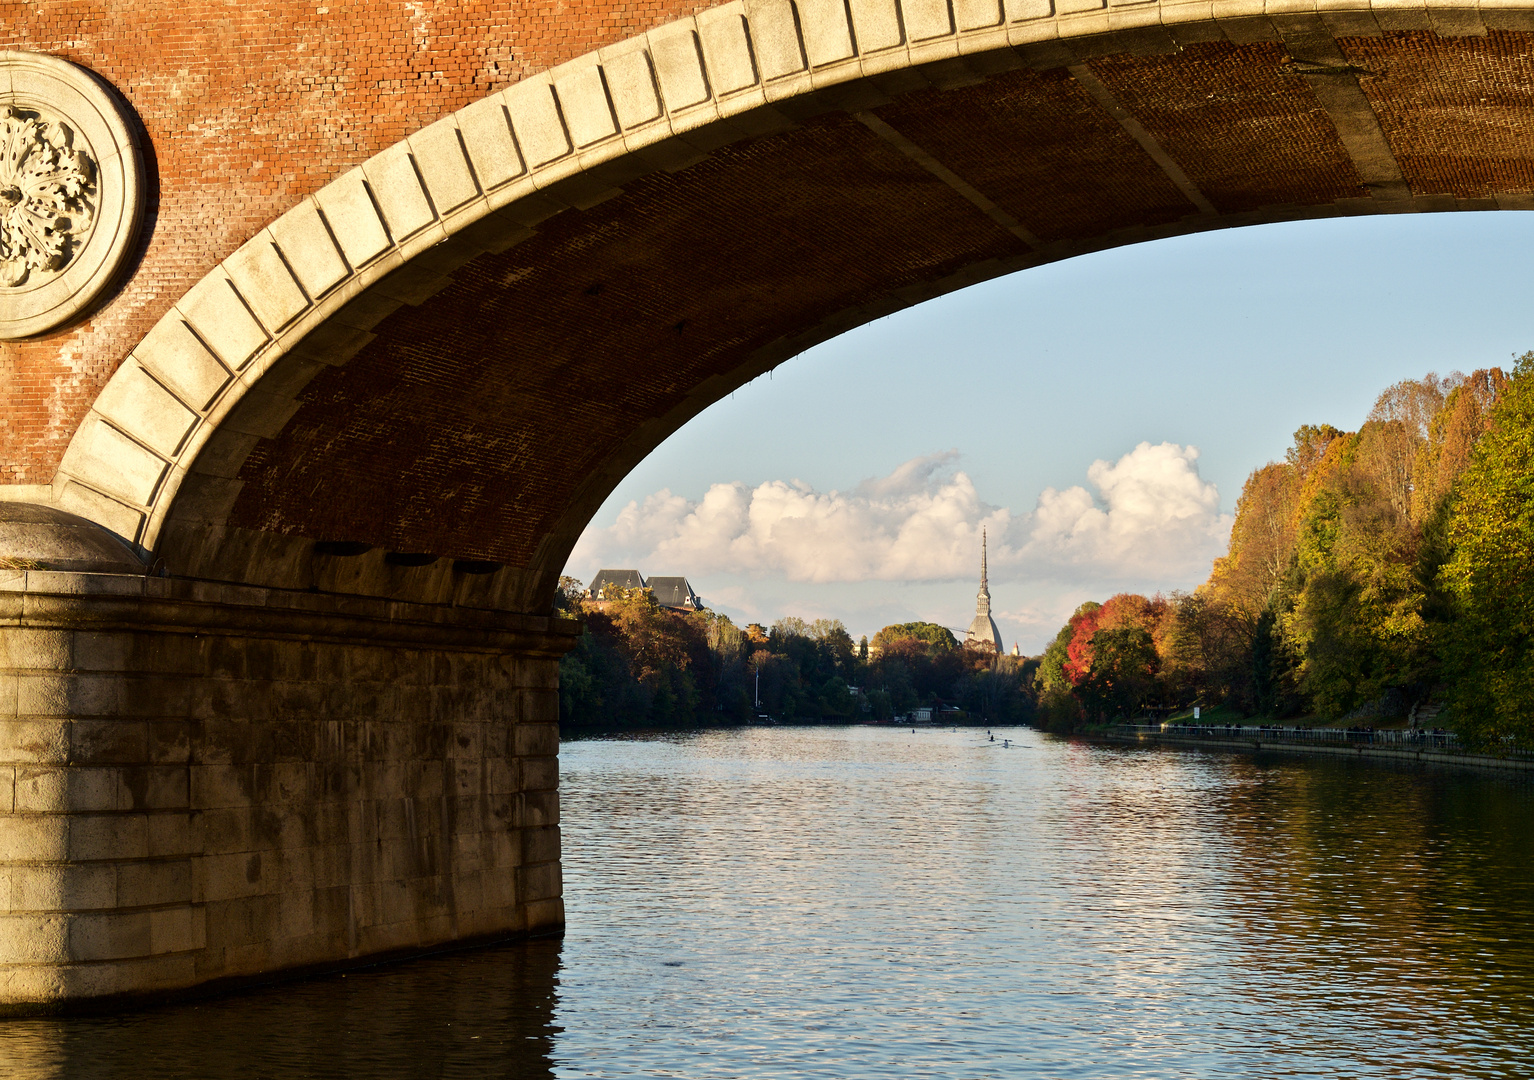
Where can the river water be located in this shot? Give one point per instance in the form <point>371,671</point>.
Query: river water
<point>867,902</point>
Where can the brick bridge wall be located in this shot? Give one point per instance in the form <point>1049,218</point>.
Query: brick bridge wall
<point>248,109</point>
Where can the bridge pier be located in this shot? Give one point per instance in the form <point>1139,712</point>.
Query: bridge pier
<point>203,784</point>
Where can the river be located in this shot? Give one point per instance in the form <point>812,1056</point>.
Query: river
<point>875,902</point>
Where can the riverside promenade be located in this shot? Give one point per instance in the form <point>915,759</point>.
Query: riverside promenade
<point>1435,747</point>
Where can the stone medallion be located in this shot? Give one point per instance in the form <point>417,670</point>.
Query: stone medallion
<point>71,192</point>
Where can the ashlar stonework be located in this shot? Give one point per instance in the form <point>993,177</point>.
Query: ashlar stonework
<point>203,787</point>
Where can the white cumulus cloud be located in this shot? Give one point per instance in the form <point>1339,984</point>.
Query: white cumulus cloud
<point>1152,511</point>
<point>1149,513</point>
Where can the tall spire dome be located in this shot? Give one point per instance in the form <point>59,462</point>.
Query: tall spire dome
<point>985,592</point>
<point>982,632</point>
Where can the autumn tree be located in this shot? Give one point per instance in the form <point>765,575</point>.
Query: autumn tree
<point>1122,678</point>
<point>1451,437</point>
<point>1489,645</point>
<point>1261,540</point>
<point>1364,569</point>
<point>1397,428</point>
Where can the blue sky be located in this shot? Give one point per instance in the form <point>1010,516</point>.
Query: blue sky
<point>852,482</point>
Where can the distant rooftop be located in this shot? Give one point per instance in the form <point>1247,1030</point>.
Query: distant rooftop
<point>669,592</point>
<point>674,592</point>
<point>615,580</point>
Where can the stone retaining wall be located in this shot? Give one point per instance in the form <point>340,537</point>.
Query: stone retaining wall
<point>202,784</point>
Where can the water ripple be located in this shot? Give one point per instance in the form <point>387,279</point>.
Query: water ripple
<point>859,902</point>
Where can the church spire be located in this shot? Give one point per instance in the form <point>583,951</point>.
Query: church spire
<point>983,605</point>
<point>983,631</point>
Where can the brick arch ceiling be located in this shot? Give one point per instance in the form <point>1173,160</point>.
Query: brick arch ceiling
<point>461,346</point>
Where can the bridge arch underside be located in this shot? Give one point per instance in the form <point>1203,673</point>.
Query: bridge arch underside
<point>479,402</point>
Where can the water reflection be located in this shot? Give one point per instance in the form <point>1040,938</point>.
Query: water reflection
<point>884,903</point>
<point>868,902</point>
<point>471,1014</point>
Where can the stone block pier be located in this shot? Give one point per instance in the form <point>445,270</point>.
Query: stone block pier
<point>204,784</point>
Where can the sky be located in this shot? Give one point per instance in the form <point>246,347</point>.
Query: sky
<point>1097,417</point>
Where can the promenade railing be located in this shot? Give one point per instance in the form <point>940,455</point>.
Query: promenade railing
<point>1434,739</point>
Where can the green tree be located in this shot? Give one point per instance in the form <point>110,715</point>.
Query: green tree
<point>1489,645</point>
<point>1355,621</point>
<point>936,638</point>
<point>1123,673</point>
<point>567,597</point>
<point>835,698</point>
<point>835,643</point>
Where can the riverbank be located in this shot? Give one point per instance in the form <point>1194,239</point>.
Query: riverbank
<point>1283,741</point>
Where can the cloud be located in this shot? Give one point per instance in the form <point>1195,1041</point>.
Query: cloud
<point>1151,513</point>
<point>922,522</point>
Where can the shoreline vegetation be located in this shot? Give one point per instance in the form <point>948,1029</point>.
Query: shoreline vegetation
<point>639,666</point>
<point>1376,578</point>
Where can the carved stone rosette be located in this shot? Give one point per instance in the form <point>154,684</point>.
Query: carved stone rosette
<point>71,192</point>
<point>45,192</point>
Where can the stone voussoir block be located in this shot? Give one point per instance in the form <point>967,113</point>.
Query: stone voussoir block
<point>221,317</point>
<point>266,283</point>
<point>306,246</point>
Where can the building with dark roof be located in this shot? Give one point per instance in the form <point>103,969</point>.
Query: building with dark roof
<point>674,592</point>
<point>669,592</point>
<point>616,580</point>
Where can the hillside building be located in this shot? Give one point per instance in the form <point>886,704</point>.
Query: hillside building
<point>674,593</point>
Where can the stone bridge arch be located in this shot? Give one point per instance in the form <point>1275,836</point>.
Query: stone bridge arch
<point>278,682</point>
<point>459,347</point>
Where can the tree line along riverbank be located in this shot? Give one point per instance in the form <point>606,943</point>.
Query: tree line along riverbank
<point>639,665</point>
<point>1378,576</point>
